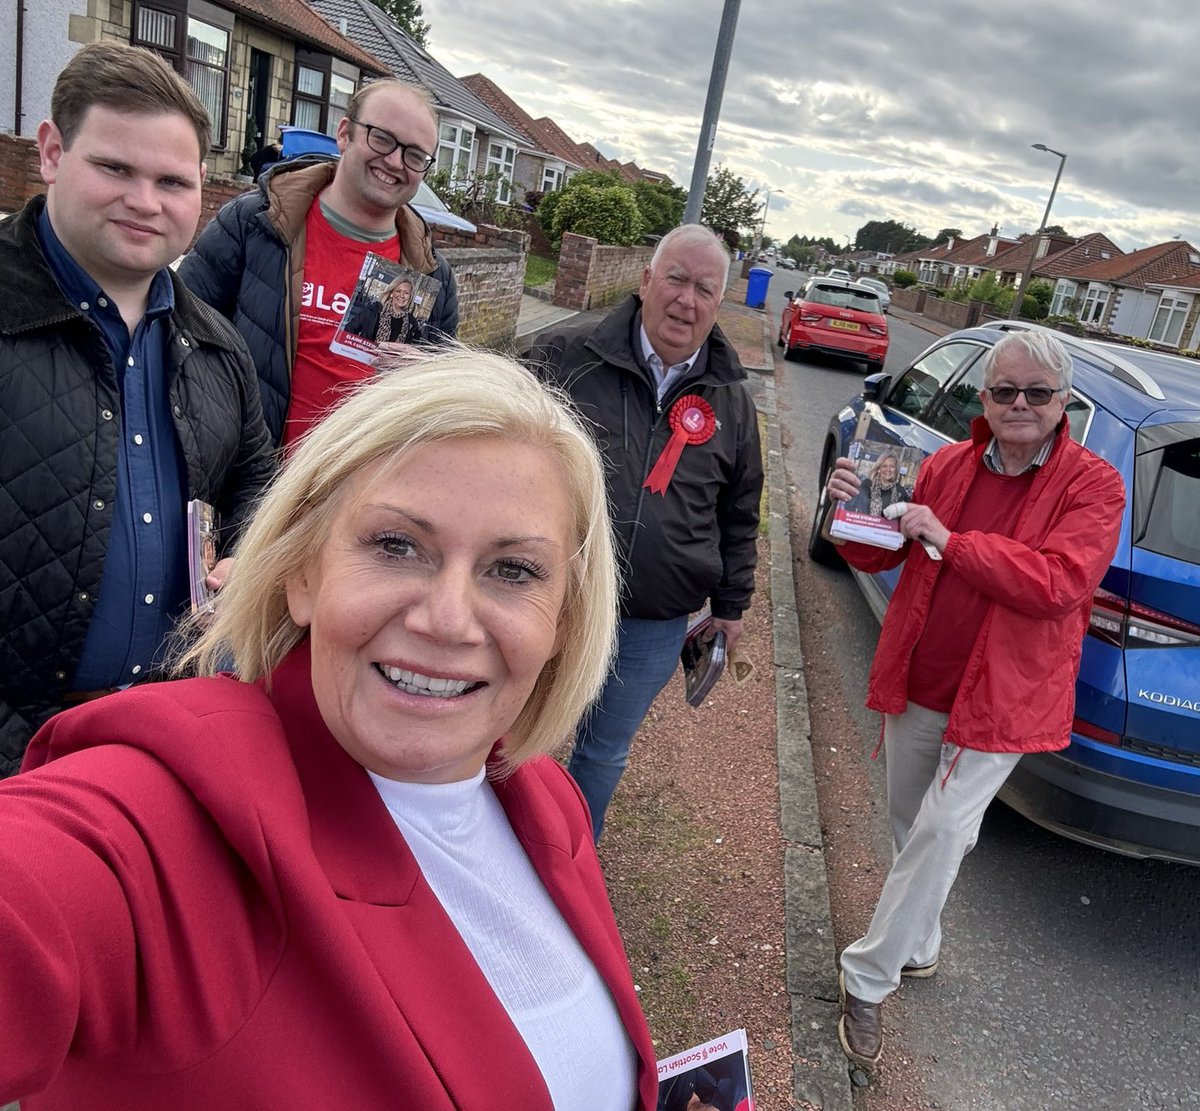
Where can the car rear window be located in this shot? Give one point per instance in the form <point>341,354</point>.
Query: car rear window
<point>843,297</point>
<point>1173,523</point>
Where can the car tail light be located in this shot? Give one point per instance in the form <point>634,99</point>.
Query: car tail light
<point>810,317</point>
<point>1094,732</point>
<point>878,329</point>
<point>1116,620</point>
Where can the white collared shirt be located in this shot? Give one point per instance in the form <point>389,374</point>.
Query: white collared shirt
<point>664,375</point>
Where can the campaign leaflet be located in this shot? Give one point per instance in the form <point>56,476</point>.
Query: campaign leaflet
<point>202,526</point>
<point>888,473</point>
<point>715,1074</point>
<point>703,661</point>
<point>390,304</point>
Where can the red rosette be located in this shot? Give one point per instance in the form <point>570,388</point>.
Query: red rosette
<point>692,421</point>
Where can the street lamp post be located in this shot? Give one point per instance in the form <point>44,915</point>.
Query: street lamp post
<point>762,229</point>
<point>1019,300</point>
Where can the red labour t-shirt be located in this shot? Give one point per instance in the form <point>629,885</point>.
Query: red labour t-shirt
<point>956,609</point>
<point>332,263</point>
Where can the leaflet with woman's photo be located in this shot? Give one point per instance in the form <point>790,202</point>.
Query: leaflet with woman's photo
<point>888,473</point>
<point>390,304</point>
<point>715,1074</point>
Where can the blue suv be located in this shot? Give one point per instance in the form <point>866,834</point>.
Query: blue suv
<point>1130,780</point>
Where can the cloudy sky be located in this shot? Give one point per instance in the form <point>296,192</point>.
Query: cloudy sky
<point>922,111</point>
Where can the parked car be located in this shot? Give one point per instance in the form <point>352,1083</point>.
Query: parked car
<point>1130,780</point>
<point>837,272</point>
<point>885,294</point>
<point>786,263</point>
<point>836,317</point>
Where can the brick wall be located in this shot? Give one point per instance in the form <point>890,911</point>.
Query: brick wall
<point>19,176</point>
<point>591,276</point>
<point>911,300</point>
<point>489,283</point>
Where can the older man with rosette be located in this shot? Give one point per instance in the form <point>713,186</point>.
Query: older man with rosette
<point>666,395</point>
<point>979,651</point>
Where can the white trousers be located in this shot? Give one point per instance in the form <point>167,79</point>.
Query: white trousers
<point>937,795</point>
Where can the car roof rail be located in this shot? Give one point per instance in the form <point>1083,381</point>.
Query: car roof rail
<point>1118,367</point>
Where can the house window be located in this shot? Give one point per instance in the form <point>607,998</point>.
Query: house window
<point>552,178</point>
<point>1094,305</point>
<point>194,37</point>
<point>1064,297</point>
<point>455,144</point>
<point>1169,319</point>
<point>207,68</point>
<point>324,86</point>
<point>501,158</point>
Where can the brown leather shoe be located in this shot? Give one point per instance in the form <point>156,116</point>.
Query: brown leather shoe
<point>860,1028</point>
<point>919,971</point>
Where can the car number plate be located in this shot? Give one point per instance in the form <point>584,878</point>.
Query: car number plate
<point>848,325</point>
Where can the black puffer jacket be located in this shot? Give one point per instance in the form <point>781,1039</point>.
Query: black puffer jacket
<point>249,265</point>
<point>60,423</point>
<point>697,542</point>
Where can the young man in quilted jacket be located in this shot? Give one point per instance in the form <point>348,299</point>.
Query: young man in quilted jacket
<point>122,396</point>
<point>979,651</point>
<point>281,261</point>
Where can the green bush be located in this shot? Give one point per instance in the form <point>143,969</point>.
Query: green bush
<point>904,278</point>
<point>609,214</point>
<point>474,198</point>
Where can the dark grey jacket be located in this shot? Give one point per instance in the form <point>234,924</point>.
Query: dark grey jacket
<point>697,542</point>
<point>249,265</point>
<point>60,423</point>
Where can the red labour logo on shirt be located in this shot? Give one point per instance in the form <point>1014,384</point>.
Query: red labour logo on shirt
<point>317,296</point>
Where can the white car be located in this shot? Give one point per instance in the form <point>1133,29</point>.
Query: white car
<point>885,294</point>
<point>837,272</point>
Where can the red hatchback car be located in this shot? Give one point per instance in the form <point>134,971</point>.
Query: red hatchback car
<point>836,317</point>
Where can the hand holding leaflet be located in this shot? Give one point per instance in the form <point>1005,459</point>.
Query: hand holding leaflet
<point>897,510</point>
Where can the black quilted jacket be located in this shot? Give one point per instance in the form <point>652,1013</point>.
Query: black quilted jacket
<point>60,419</point>
<point>249,265</point>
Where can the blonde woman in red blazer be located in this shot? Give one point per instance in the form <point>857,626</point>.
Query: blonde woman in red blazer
<point>347,877</point>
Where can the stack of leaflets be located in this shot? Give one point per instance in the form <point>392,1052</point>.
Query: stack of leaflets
<point>703,660</point>
<point>202,525</point>
<point>390,304</point>
<point>888,473</point>
<point>715,1074</point>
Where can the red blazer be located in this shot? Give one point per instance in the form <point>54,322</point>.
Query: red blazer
<point>204,903</point>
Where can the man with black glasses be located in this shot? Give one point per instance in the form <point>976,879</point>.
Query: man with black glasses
<point>980,648</point>
<point>281,261</point>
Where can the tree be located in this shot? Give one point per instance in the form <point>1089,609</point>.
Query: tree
<point>729,208</point>
<point>887,235</point>
<point>408,14</point>
<point>1055,229</point>
<point>661,204</point>
<point>948,233</point>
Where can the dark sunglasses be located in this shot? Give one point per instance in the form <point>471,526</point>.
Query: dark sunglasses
<point>384,142</point>
<point>1034,395</point>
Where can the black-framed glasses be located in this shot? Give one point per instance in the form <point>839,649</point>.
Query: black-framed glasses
<point>384,142</point>
<point>1034,395</point>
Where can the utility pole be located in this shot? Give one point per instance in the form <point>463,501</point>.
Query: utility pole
<point>712,111</point>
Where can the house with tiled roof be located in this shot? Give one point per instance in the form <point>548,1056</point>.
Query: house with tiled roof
<point>472,138</point>
<point>1146,294</point>
<point>543,163</point>
<point>972,258</point>
<point>255,64</point>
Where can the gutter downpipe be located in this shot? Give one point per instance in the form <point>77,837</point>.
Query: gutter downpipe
<point>20,67</point>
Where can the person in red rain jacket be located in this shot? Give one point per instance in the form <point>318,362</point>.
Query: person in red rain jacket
<point>978,655</point>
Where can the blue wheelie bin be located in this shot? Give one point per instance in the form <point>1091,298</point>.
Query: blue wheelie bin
<point>756,286</point>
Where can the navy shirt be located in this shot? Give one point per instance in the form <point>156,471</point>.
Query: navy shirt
<point>144,585</point>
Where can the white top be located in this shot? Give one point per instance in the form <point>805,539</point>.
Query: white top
<point>475,865</point>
